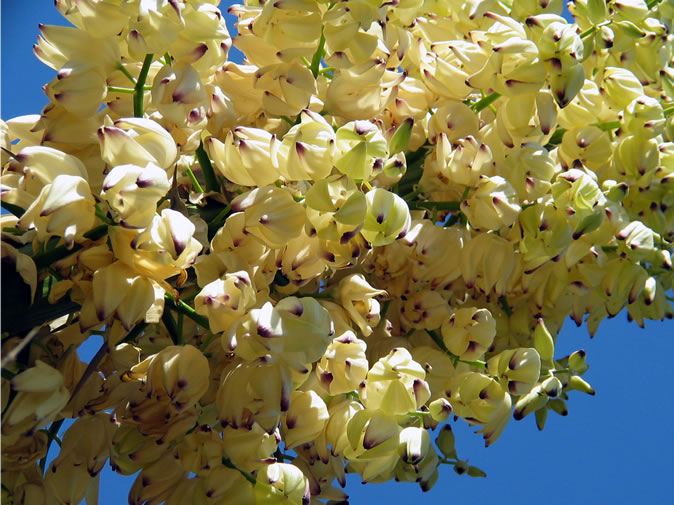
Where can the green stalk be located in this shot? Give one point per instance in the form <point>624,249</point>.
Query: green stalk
<point>194,180</point>
<point>53,431</point>
<point>47,258</point>
<point>486,101</point>
<point>139,89</point>
<point>318,55</point>
<point>128,74</point>
<point>438,340</point>
<point>207,168</point>
<point>181,306</point>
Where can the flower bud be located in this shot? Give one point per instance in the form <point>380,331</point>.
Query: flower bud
<point>519,368</point>
<point>440,410</point>
<point>445,442</point>
<point>543,341</point>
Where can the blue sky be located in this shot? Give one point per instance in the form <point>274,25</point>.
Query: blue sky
<point>613,448</point>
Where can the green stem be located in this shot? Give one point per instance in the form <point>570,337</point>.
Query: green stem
<point>207,168</point>
<point>194,180</point>
<point>167,59</point>
<point>669,111</point>
<point>486,101</point>
<point>123,70</point>
<point>503,302</point>
<point>588,32</point>
<point>206,342</point>
<point>139,89</point>
<point>318,55</point>
<point>214,225</point>
<point>53,431</point>
<point>228,463</point>
<point>172,327</point>
<point>608,126</point>
<point>438,340</point>
<point>181,306</point>
<point>45,259</point>
<point>421,205</point>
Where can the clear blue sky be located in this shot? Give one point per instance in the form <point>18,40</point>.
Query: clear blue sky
<point>614,448</point>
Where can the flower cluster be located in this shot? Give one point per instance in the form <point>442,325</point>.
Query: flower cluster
<point>304,264</point>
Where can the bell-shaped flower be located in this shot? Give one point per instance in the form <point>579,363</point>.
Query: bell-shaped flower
<point>171,234</point>
<point>180,96</point>
<point>305,419</point>
<point>493,205</point>
<point>58,45</point>
<point>620,87</point>
<point>480,400</point>
<point>343,365</point>
<point>79,88</point>
<point>179,374</point>
<point>469,332</point>
<point>267,390</point>
<point>529,169</point>
<point>424,310</point>
<point>302,260</point>
<point>133,192</point>
<point>387,219</point>
<point>545,234</point>
<point>288,88</point>
<point>519,369</point>
<point>225,301</point>
<point>137,141</point>
<point>271,215</point>
<point>335,208</point>
<point>117,290</point>
<point>41,394</point>
<point>248,448</point>
<point>357,297</point>
<point>362,91</point>
<point>153,27</point>
<point>456,120</point>
<point>643,117</point>
<point>360,148</point>
<point>307,149</point>
<point>249,156</point>
<point>32,168</point>
<point>395,384</point>
<point>64,208</point>
<point>489,262</point>
<point>282,484</point>
<point>463,164</point>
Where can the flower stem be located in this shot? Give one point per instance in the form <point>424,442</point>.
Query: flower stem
<point>207,168</point>
<point>139,89</point>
